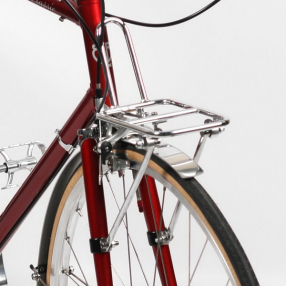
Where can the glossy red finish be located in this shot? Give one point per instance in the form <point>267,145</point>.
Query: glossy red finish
<point>90,11</point>
<point>44,172</point>
<point>96,209</point>
<point>147,185</point>
<point>59,8</point>
<point>55,156</point>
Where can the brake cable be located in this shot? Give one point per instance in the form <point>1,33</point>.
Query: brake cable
<point>99,44</point>
<point>97,47</point>
<point>168,24</point>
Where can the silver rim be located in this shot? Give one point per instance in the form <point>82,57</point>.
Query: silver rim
<point>196,256</point>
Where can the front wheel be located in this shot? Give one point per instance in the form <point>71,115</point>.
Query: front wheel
<point>203,250</point>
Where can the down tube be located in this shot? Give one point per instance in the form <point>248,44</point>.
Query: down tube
<point>44,172</point>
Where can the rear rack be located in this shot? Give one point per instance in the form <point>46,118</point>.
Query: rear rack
<point>119,117</point>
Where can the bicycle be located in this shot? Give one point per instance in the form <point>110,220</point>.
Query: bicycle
<point>126,156</point>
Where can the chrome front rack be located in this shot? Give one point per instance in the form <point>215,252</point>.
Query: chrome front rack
<point>120,117</point>
<point>123,116</point>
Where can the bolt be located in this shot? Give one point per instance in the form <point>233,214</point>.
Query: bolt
<point>71,269</point>
<point>114,243</point>
<point>139,144</point>
<point>36,277</point>
<point>208,121</point>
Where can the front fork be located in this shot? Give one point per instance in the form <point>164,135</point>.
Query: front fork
<point>98,220</point>
<point>96,210</point>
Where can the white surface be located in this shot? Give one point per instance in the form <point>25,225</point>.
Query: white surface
<point>230,60</point>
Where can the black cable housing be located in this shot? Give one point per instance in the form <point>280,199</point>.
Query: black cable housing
<point>100,40</point>
<point>163,25</point>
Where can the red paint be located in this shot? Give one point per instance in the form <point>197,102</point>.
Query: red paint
<point>147,185</point>
<point>140,206</point>
<point>46,169</point>
<point>96,209</point>
<point>55,156</point>
<point>90,11</point>
<point>59,8</point>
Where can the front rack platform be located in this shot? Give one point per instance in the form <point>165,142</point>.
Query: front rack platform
<point>123,116</point>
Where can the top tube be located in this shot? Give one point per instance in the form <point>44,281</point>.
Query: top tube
<point>58,8</point>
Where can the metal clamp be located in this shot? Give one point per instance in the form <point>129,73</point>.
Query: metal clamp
<point>36,275</point>
<point>101,245</point>
<point>69,148</point>
<point>83,134</point>
<point>158,237</point>
<point>116,164</point>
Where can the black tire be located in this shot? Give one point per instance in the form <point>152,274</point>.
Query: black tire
<point>190,189</point>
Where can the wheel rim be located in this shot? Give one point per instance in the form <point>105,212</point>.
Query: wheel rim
<point>61,252</point>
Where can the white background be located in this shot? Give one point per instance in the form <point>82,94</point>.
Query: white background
<point>230,60</point>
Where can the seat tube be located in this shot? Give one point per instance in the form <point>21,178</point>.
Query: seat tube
<point>155,222</point>
<point>96,209</point>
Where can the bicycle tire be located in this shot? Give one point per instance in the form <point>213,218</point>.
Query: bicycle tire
<point>190,189</point>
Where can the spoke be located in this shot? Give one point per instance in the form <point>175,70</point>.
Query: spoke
<point>116,273</point>
<point>160,226</point>
<point>133,246</point>
<point>227,282</point>
<point>68,241</point>
<point>78,210</point>
<point>78,278</point>
<point>174,218</point>
<point>127,232</point>
<point>155,270</point>
<point>68,275</point>
<point>131,193</point>
<point>198,261</point>
<point>159,246</point>
<point>156,229</point>
<point>189,276</point>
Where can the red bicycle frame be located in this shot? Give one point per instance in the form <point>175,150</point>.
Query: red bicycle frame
<point>55,157</point>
